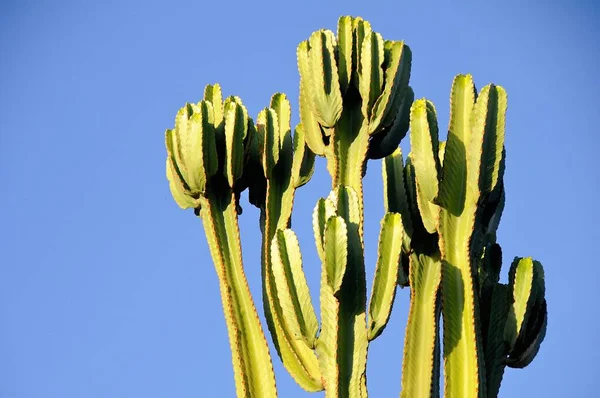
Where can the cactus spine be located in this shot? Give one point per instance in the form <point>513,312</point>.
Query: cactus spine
<point>205,168</point>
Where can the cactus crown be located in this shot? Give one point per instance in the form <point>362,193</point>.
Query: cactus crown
<point>354,96</point>
<point>209,147</point>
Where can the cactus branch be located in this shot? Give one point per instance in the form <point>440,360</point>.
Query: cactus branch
<point>282,176</point>
<point>254,375</point>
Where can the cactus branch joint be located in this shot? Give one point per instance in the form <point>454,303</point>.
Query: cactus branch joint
<point>443,205</point>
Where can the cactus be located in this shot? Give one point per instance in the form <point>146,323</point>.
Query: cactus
<point>438,235</point>
<point>286,164</point>
<point>456,200</point>
<point>206,154</point>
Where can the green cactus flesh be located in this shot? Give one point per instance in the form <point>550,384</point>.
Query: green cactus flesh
<point>386,273</point>
<point>456,197</point>
<point>286,165</point>
<point>205,172</point>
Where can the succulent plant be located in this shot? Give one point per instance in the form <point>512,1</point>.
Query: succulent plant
<point>207,152</point>
<point>438,235</point>
<point>456,201</point>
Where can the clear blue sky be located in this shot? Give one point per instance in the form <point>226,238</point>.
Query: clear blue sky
<point>107,288</point>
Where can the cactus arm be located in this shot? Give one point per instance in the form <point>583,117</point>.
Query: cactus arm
<point>193,151</point>
<point>314,137</point>
<point>292,288</point>
<point>521,279</point>
<point>424,147</point>
<point>492,148</point>
<point>424,156</point>
<point>461,360</point>
<point>345,46</point>
<point>372,76</point>
<point>324,209</point>
<point>178,191</point>
<point>280,105</point>
<point>327,97</point>
<point>361,29</point>
<point>453,185</point>
<point>430,212</point>
<point>236,128</point>
<point>254,375</point>
<point>268,122</point>
<point>396,200</point>
<point>273,124</point>
<point>335,245</point>
<point>382,145</point>
<point>397,66</point>
<point>531,337</point>
<point>411,195</point>
<point>386,273</point>
<point>421,346</point>
<point>214,95</point>
<point>297,357</point>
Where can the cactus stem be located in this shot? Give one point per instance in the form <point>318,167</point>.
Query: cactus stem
<point>253,369</point>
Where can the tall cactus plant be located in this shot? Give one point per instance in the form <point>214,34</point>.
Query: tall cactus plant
<point>438,235</point>
<point>206,159</point>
